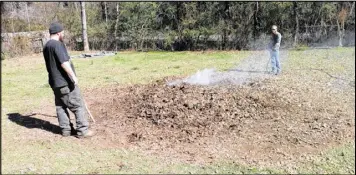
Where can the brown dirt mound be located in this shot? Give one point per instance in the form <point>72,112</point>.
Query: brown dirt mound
<point>258,123</point>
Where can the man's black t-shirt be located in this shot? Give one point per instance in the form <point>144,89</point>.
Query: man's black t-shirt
<point>55,54</point>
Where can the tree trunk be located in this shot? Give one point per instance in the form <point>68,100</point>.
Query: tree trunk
<point>142,33</point>
<point>61,5</point>
<point>84,27</point>
<point>106,12</point>
<point>28,18</point>
<point>179,15</point>
<point>352,8</point>
<point>2,6</point>
<point>296,28</point>
<point>226,18</point>
<point>116,25</point>
<point>255,22</point>
<point>75,6</point>
<point>178,12</point>
<point>341,31</point>
<point>224,39</point>
<point>341,18</point>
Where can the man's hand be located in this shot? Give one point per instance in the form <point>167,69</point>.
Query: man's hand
<point>75,80</point>
<point>66,66</point>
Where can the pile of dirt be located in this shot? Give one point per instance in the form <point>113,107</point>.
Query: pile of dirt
<point>256,123</point>
<point>197,111</point>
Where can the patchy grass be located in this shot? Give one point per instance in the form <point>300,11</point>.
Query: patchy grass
<point>145,67</point>
<point>336,161</point>
<point>336,61</point>
<point>25,87</point>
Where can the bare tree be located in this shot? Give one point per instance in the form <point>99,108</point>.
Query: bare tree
<point>106,12</point>
<point>76,6</point>
<point>352,8</point>
<point>84,26</point>
<point>28,18</point>
<point>9,11</point>
<point>255,21</point>
<point>340,20</point>
<point>116,24</point>
<point>296,29</point>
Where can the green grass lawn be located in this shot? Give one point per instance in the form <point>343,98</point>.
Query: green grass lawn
<point>24,88</point>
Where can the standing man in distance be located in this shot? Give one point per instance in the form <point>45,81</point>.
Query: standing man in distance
<point>64,83</point>
<point>274,45</point>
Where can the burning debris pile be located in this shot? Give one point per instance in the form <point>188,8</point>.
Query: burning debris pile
<point>186,117</point>
<point>209,108</point>
<point>223,113</point>
<point>187,112</point>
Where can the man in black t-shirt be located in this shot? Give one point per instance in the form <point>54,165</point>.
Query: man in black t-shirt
<point>64,83</point>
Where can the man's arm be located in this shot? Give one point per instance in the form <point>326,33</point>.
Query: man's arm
<point>279,38</point>
<point>270,44</point>
<point>66,66</point>
<point>63,58</point>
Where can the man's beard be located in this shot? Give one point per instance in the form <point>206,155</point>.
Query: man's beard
<point>61,38</point>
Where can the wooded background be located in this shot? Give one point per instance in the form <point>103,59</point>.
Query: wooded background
<point>178,26</point>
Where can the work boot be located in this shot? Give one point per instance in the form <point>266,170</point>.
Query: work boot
<point>69,133</point>
<point>66,133</point>
<point>89,133</point>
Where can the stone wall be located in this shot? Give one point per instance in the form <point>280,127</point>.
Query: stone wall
<point>14,44</point>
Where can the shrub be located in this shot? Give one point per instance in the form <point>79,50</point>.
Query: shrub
<point>301,47</point>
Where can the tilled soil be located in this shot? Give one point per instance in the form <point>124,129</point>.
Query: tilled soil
<point>259,123</point>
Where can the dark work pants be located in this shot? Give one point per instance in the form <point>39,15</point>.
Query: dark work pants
<point>71,99</point>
